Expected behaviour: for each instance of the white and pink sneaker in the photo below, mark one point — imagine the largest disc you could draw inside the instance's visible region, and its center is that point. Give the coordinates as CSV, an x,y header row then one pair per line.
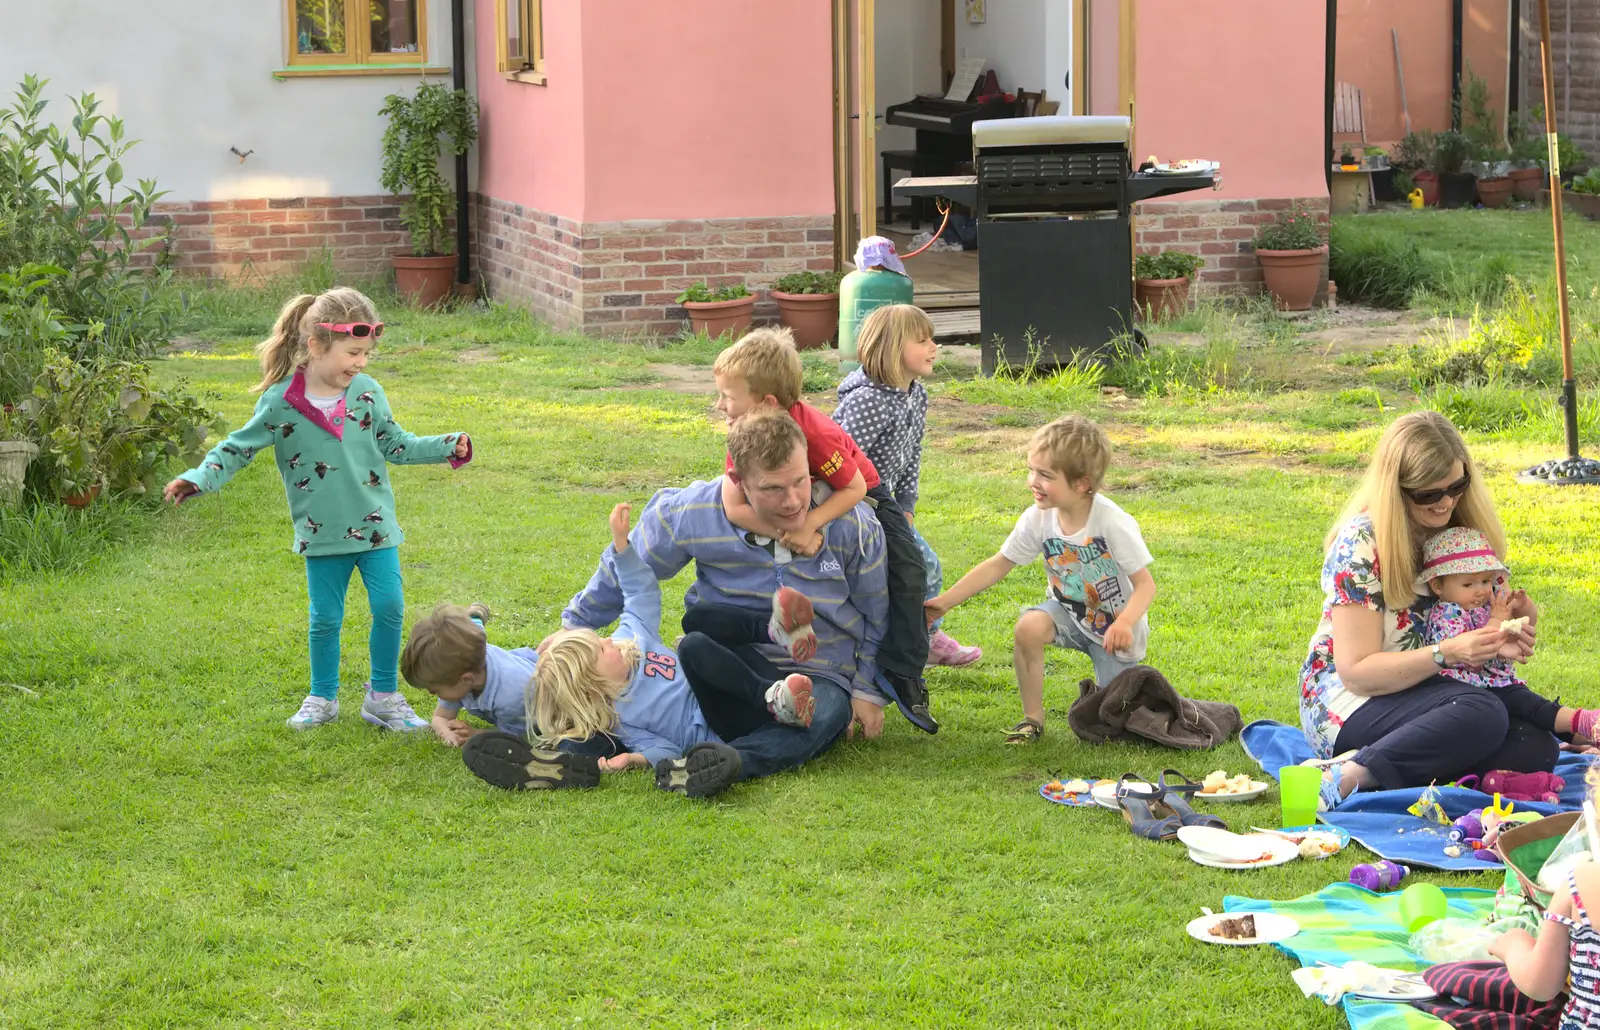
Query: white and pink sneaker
x,y
790,627
943,649
790,701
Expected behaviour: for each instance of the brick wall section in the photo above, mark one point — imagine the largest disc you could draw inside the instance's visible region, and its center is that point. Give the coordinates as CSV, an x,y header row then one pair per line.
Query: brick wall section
x,y
234,238
1578,118
621,278
1220,231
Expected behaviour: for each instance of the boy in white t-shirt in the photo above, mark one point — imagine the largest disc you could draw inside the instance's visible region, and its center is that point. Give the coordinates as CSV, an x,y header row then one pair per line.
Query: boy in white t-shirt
x,y
1096,564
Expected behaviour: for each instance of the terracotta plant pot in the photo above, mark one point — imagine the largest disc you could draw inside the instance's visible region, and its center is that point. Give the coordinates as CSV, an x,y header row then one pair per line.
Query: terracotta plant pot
x,y
1585,204
1428,183
425,281
1525,183
1457,189
81,499
1155,300
719,317
14,458
813,317
1293,276
1495,192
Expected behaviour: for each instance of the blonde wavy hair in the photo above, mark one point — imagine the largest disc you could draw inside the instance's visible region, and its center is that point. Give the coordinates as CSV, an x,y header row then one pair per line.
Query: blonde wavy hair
x,y
296,334
1416,449
881,342
572,701
767,361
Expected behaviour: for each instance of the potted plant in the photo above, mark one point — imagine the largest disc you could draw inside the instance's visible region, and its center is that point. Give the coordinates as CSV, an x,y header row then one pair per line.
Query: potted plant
x,y
808,303
1291,250
1584,197
15,454
1527,166
1494,186
1451,152
1161,283
715,312
435,118
1414,155
1347,160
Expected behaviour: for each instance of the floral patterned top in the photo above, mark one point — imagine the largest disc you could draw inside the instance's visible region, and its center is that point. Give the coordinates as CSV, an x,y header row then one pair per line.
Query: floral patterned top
x,y
1350,575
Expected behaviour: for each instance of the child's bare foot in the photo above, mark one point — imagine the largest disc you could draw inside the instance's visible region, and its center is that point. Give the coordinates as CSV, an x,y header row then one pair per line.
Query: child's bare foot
x,y
790,627
790,701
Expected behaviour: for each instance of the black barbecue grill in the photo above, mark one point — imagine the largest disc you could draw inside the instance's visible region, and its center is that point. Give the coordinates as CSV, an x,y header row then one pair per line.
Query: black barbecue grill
x,y
1053,198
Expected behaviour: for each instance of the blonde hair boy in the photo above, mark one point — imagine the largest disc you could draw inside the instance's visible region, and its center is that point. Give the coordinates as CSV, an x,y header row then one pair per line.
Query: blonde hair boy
x,y
768,363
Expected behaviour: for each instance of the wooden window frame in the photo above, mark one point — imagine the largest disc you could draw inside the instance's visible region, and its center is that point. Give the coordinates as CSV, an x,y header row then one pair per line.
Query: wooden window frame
x,y
530,68
358,42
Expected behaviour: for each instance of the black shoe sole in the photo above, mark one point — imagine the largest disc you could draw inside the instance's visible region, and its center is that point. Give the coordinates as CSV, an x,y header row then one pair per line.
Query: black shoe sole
x,y
706,770
916,714
507,762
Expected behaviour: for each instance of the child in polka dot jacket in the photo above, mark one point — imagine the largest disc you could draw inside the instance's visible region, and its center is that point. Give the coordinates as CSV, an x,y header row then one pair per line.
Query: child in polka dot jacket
x,y
884,408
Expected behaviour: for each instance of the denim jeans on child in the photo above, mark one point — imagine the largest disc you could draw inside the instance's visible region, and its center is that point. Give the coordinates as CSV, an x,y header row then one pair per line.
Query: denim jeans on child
x,y
328,580
1106,665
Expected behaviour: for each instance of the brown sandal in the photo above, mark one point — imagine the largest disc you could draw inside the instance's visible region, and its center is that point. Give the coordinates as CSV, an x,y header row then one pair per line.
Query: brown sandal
x,y
1028,731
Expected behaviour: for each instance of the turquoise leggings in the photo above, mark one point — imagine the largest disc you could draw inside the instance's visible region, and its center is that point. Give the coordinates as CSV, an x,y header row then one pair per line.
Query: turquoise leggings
x,y
327,580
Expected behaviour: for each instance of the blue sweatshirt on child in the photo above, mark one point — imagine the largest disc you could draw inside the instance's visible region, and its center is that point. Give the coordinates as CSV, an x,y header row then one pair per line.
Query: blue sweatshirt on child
x,y
507,690
657,715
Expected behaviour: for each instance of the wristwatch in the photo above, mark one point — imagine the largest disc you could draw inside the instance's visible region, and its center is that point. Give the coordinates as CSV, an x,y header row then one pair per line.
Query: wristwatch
x,y
1438,656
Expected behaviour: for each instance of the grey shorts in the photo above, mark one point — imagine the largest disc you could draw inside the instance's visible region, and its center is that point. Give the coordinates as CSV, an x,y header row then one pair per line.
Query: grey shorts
x,y
1107,666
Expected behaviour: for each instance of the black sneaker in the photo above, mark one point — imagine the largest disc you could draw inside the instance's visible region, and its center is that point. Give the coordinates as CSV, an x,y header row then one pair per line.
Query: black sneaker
x,y
910,695
507,761
707,769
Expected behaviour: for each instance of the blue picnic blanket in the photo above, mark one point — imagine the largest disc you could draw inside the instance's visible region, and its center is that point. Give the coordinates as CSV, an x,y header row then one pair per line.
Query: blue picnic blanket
x,y
1342,923
1378,819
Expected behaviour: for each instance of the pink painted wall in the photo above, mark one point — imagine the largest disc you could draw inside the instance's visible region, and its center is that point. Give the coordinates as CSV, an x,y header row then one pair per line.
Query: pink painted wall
x,y
1241,83
717,109
1104,55
531,138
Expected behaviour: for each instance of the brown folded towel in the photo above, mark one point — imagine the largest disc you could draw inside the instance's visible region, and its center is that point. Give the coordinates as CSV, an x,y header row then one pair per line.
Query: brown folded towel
x,y
1141,703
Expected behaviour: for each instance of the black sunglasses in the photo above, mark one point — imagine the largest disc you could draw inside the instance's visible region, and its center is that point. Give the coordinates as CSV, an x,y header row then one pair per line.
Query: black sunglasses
x,y
1426,497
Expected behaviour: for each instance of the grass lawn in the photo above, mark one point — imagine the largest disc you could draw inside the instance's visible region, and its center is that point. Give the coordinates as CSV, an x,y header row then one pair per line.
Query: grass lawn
x,y
171,855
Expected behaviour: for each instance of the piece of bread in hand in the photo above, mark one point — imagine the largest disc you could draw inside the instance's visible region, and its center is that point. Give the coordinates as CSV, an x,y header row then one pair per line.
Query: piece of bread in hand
x,y
1514,626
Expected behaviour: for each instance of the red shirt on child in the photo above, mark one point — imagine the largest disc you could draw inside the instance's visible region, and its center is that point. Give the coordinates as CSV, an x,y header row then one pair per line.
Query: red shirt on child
x,y
831,453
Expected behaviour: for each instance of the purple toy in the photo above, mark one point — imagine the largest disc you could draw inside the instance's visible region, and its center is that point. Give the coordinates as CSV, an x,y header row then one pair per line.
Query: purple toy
x,y
1378,876
1515,786
1467,828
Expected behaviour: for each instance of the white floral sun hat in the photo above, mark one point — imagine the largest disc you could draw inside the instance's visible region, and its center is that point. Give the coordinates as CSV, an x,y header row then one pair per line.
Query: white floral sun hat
x,y
1455,551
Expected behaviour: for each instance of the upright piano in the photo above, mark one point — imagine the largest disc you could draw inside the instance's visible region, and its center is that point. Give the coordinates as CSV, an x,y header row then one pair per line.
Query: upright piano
x,y
944,130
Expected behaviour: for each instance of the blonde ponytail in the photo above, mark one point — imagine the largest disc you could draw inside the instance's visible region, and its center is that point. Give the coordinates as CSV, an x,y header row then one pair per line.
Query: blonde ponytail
x,y
296,330
571,701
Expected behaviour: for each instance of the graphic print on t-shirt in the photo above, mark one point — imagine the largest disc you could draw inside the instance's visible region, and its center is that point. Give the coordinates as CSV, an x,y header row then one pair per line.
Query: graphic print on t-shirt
x,y
1084,578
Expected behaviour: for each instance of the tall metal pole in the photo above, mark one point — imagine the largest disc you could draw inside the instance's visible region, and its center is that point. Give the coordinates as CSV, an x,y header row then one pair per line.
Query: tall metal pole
x,y
458,79
1573,468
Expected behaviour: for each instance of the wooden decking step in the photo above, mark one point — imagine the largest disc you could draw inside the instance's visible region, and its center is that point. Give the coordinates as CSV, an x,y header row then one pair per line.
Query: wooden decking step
x,y
949,323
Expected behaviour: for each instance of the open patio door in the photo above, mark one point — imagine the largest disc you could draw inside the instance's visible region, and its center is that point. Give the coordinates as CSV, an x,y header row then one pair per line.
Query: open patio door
x,y
855,136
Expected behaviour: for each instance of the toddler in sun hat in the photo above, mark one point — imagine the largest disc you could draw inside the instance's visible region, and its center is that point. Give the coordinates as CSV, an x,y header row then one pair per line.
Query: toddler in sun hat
x,y
1468,580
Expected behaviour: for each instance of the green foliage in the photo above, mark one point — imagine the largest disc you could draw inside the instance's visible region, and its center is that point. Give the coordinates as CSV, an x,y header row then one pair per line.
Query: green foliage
x,y
53,538
1588,182
411,151
1515,342
1403,182
818,373
1451,152
701,293
1380,269
106,422
1296,230
1169,264
1414,151
30,326
1480,122
1484,408
815,283
64,204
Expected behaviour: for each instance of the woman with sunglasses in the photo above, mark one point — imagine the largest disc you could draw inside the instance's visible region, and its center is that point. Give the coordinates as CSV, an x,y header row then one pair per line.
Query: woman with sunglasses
x,y
1373,703
334,436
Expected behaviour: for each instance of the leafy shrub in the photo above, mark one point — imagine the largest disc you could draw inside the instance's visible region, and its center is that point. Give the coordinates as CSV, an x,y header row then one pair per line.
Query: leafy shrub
x,y
1517,342
63,203
1169,264
411,157
30,326
1588,182
52,538
1451,152
815,283
701,293
1415,151
104,422
1296,230
1378,269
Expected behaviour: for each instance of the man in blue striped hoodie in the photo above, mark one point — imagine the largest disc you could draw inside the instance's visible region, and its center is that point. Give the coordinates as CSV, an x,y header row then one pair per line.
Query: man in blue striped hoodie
x,y
845,580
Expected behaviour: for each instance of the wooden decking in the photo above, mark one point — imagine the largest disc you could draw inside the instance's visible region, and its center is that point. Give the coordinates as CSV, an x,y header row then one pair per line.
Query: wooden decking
x,y
946,286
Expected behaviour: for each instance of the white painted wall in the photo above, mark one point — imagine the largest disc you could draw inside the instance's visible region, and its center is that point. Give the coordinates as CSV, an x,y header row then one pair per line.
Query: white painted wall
x,y
907,52
1028,43
191,78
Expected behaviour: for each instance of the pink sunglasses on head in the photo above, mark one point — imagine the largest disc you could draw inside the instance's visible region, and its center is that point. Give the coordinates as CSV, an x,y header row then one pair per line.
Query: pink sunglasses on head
x,y
358,330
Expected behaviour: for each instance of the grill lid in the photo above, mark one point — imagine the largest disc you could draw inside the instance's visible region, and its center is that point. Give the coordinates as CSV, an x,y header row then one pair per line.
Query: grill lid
x,y
1051,131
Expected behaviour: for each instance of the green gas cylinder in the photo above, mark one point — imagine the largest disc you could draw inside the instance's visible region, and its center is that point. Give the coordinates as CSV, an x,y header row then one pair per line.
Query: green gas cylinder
x,y
860,293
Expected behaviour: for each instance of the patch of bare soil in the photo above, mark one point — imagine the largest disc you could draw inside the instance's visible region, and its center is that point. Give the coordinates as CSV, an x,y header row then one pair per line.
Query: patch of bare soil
x,y
476,356
190,345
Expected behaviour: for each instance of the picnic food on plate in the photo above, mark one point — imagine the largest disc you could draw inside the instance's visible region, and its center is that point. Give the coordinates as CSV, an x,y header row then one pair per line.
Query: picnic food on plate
x,y
1240,929
1319,845
1062,790
1219,782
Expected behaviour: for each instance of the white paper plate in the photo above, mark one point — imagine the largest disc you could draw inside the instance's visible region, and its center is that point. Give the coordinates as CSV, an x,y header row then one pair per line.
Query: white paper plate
x,y
1401,992
1200,169
1213,862
1225,846
1270,928
1257,788
1105,795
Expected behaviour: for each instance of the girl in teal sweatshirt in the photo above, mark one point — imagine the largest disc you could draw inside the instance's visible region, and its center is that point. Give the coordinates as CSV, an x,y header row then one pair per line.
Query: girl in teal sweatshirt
x,y
333,436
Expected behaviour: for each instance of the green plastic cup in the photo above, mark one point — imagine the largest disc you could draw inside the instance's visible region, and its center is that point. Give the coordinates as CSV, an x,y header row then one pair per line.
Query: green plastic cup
x,y
1421,904
1298,786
